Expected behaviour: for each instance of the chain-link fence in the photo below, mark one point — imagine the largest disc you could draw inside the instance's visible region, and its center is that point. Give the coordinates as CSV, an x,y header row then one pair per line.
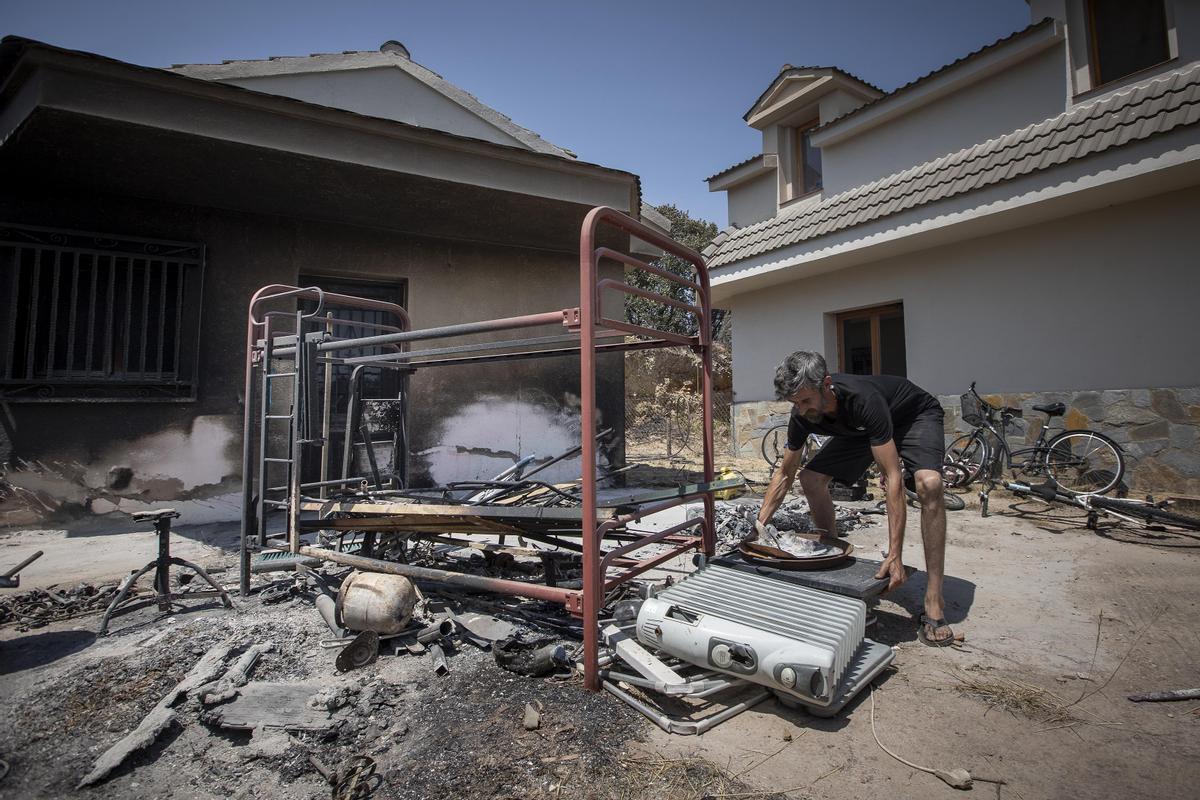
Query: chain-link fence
x,y
668,425
663,410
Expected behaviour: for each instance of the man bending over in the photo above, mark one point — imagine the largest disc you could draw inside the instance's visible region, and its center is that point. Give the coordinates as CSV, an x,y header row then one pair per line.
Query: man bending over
x,y
881,417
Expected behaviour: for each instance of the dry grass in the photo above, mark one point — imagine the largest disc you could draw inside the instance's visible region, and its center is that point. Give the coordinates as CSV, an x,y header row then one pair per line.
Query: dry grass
x,y
690,779
1016,698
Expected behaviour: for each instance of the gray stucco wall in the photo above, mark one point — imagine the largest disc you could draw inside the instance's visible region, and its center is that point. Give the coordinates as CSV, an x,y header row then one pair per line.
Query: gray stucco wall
x,y
1029,92
385,92
753,201
1103,300
465,422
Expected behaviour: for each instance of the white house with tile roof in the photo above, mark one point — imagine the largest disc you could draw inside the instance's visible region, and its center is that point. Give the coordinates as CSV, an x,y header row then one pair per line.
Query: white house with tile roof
x,y
1023,217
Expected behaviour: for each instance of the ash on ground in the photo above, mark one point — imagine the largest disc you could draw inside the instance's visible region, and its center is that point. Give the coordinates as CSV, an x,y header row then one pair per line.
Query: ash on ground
x,y
735,521
462,735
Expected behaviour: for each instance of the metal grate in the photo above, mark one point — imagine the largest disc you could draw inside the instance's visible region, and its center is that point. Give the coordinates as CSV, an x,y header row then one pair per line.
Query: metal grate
x,y
827,620
92,317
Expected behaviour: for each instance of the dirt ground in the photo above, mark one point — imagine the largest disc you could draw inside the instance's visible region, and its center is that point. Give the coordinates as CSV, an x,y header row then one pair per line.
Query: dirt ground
x,y
1061,623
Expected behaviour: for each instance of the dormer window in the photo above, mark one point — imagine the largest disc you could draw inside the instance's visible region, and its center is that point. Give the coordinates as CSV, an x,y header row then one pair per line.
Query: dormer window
x,y
807,161
1126,37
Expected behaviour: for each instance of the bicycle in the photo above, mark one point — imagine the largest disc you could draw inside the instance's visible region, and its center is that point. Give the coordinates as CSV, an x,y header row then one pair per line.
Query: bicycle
x,y
773,446
1079,462
1146,511
774,442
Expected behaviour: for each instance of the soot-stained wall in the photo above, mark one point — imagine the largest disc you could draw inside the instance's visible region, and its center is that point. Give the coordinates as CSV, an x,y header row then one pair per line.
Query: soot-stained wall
x,y
465,422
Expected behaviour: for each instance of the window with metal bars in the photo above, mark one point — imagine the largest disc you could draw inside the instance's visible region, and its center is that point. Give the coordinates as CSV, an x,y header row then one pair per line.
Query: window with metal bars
x,y
91,317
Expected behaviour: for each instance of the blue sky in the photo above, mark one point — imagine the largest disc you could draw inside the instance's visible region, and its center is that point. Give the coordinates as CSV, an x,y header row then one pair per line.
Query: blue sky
x,y
656,88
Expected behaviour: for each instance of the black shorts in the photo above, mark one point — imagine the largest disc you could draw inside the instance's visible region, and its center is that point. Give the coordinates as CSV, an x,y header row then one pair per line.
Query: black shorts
x,y
921,443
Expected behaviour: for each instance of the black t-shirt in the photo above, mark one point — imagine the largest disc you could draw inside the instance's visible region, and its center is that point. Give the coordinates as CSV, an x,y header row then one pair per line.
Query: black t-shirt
x,y
869,406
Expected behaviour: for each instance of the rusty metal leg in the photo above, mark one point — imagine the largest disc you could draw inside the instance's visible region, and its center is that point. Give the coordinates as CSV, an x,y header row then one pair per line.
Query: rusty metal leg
x,y
197,569
162,572
121,595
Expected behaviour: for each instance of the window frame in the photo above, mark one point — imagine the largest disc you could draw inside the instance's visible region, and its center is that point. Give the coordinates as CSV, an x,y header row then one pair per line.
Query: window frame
x,y
97,329
874,314
799,190
1093,49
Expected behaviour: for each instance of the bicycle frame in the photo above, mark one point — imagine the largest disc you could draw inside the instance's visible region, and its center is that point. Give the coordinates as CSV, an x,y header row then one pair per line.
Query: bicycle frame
x,y
1024,459
1084,501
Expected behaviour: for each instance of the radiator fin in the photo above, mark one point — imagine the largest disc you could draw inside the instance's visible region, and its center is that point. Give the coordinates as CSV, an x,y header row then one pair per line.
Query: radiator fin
x,y
819,618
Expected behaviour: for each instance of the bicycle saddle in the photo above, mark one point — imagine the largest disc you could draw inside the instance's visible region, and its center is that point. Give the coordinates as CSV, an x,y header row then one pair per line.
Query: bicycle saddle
x,y
1053,409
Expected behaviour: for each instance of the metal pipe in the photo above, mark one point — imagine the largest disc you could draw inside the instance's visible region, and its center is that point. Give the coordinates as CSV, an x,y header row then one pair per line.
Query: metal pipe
x,y
326,414
440,665
22,565
604,252
625,288
351,425
438,630
523,356
327,608
446,331
592,588
589,254
409,355
562,456
478,582
247,460
638,544
275,291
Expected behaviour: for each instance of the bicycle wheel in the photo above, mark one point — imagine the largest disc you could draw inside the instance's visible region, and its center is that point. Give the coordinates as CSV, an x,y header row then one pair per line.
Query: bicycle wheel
x,y
1084,462
773,444
968,455
1148,512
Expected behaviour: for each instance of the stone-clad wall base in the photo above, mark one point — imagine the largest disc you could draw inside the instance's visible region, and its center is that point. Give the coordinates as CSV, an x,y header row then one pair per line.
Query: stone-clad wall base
x,y
752,420
1159,429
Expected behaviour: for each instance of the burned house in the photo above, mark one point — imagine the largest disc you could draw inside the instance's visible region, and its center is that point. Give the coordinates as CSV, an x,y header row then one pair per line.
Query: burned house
x,y
140,209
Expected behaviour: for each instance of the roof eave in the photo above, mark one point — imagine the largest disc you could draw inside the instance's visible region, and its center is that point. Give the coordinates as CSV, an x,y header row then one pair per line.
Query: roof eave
x,y
851,82
767,112
735,176
344,62
986,62
1150,167
21,58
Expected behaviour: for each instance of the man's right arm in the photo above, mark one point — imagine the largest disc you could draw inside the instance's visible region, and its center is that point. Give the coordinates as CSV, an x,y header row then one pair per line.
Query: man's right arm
x,y
780,484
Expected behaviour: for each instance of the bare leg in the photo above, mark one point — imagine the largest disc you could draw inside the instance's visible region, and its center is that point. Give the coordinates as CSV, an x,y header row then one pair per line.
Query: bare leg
x,y
933,536
815,486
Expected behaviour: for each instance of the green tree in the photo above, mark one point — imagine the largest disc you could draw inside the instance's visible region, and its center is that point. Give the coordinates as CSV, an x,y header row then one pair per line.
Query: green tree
x,y
696,234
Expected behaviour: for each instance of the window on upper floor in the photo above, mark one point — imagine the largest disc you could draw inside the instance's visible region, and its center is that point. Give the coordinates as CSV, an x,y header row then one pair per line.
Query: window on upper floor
x,y
1126,36
807,162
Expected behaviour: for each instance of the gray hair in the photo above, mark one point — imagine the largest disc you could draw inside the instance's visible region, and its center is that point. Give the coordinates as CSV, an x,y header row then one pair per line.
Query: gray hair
x,y
800,370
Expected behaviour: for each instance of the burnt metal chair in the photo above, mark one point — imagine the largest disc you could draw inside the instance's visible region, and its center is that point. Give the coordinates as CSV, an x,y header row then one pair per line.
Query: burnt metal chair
x,y
162,575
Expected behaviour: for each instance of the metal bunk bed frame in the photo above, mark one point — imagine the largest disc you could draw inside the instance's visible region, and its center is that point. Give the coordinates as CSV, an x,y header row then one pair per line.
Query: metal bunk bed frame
x,y
310,343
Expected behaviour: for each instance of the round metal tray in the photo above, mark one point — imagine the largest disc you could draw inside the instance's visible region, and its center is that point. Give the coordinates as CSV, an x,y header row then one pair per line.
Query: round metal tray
x,y
781,559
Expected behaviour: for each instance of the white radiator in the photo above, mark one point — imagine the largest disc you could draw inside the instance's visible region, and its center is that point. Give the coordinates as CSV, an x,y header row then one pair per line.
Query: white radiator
x,y
800,641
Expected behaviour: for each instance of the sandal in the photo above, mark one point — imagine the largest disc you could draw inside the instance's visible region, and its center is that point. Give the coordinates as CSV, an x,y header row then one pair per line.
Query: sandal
x,y
932,625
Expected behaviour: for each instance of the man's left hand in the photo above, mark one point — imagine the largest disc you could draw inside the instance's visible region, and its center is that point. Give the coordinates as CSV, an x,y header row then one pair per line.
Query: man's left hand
x,y
893,569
